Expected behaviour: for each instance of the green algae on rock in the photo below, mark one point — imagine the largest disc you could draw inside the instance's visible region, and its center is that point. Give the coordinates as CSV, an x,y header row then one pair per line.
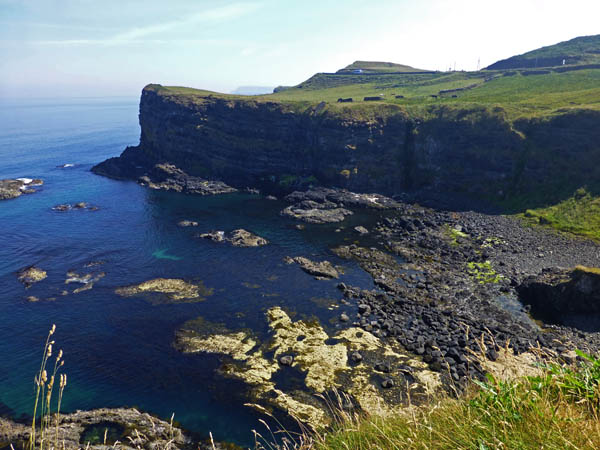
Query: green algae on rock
x,y
323,360
167,290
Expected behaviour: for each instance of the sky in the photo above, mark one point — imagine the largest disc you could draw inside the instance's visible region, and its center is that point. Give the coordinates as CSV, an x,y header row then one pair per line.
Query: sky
x,y
95,48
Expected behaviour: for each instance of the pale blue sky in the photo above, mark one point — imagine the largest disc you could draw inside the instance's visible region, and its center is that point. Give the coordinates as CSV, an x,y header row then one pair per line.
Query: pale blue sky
x,y
115,47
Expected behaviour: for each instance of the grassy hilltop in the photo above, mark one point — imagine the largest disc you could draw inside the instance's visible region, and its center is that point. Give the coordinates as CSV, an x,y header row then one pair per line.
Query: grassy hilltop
x,y
534,93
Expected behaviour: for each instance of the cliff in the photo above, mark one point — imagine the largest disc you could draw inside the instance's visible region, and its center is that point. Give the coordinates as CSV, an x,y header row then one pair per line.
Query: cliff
x,y
386,148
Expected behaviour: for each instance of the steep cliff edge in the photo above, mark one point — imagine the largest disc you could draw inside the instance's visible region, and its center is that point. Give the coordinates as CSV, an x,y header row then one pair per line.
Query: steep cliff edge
x,y
388,148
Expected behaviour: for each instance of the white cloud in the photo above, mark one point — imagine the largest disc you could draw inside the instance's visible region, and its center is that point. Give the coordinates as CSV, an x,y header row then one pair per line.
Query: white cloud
x,y
137,35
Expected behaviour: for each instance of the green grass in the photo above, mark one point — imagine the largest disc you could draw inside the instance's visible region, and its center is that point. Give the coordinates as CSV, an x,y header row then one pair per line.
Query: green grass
x,y
519,95
579,214
379,66
483,272
557,409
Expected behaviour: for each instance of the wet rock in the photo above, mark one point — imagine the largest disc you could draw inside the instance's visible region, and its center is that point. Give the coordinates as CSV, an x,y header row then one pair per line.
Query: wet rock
x,y
356,357
168,177
320,270
271,197
362,230
74,206
343,197
243,238
286,360
323,359
387,383
344,317
31,275
13,188
237,238
313,212
187,223
167,290
215,236
86,280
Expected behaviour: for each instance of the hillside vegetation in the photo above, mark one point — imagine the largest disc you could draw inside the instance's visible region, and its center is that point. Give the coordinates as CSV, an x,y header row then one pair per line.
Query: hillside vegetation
x,y
578,51
378,66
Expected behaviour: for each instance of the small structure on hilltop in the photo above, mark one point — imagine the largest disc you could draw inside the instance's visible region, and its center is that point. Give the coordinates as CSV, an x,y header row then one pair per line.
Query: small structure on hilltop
x,y
344,100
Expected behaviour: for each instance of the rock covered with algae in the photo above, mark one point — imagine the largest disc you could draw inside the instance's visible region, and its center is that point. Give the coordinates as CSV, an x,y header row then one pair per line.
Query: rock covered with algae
x,y
167,290
326,362
31,275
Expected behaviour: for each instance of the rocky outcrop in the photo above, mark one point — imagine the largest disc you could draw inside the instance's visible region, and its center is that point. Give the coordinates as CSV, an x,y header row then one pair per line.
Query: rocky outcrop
x,y
376,383
237,238
107,428
556,293
31,275
15,188
167,290
167,177
320,270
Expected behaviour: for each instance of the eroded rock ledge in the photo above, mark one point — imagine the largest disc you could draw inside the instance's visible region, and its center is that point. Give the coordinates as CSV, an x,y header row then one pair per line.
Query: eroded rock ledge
x,y
326,205
126,429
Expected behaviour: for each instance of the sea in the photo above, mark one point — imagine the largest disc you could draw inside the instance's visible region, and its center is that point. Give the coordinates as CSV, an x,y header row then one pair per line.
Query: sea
x,y
118,351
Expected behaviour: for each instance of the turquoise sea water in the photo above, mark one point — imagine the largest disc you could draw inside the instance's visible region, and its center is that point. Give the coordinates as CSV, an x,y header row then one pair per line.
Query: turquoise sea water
x,y
119,351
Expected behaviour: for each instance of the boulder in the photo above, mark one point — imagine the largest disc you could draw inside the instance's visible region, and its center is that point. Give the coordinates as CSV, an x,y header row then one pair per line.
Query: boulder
x,y
557,292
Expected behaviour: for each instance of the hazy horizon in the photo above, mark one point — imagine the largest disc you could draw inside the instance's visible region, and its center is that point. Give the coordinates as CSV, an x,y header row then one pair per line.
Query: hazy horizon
x,y
72,48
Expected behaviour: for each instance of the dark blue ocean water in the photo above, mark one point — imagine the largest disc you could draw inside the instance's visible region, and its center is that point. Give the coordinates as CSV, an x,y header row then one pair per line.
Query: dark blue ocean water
x,y
119,351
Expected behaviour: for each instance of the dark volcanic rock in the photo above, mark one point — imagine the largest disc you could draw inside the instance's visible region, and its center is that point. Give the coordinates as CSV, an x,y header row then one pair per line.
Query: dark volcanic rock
x,y
557,292
169,178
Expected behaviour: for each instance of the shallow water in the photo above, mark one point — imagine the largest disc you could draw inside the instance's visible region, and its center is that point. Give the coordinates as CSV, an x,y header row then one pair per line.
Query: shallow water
x,y
118,351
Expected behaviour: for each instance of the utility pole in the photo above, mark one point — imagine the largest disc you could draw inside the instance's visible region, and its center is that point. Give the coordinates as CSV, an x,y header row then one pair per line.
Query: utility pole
x,y
478,63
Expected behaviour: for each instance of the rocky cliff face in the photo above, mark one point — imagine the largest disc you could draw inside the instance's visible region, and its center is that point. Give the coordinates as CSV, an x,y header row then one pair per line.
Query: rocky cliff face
x,y
381,148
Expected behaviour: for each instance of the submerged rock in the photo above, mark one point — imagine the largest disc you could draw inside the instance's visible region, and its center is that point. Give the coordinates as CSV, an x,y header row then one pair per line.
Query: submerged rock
x,y
187,223
86,280
237,238
168,177
31,275
167,290
75,206
13,188
321,270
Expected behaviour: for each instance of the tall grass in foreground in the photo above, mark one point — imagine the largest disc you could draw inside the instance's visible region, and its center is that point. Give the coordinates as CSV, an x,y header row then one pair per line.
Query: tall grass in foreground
x,y
557,409
43,398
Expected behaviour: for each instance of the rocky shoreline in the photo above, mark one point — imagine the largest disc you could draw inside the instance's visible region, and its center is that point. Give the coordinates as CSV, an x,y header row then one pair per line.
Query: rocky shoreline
x,y
123,428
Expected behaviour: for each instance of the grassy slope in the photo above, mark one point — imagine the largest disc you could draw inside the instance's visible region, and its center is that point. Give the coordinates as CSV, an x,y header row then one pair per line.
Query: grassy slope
x,y
581,50
378,66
